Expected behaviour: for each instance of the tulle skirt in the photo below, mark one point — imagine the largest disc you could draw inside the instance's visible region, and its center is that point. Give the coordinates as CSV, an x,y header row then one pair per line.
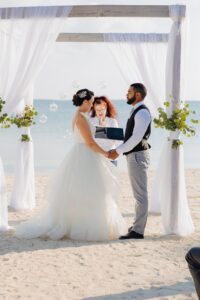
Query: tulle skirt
x,y
81,202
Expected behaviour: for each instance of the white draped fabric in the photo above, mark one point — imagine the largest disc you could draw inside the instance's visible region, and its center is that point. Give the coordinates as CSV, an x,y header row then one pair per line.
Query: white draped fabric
x,y
141,57
169,193
27,36
24,177
136,55
26,39
23,192
3,201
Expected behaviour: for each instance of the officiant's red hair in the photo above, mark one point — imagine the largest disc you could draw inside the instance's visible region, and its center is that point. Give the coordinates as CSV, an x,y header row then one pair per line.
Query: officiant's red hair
x,y
110,109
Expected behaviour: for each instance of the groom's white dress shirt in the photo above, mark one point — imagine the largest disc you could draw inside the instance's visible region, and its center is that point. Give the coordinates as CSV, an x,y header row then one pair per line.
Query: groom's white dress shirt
x,y
142,121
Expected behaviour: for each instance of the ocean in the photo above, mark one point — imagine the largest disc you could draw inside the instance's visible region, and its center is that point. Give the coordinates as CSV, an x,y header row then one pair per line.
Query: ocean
x,y
52,136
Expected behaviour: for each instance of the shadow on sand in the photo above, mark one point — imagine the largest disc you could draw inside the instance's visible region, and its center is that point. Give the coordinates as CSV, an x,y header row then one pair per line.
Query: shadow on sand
x,y
10,243
180,288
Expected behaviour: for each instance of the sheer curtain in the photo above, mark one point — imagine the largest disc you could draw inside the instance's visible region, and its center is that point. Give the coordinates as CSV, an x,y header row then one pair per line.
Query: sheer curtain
x,y
169,194
3,200
23,191
140,58
27,36
8,47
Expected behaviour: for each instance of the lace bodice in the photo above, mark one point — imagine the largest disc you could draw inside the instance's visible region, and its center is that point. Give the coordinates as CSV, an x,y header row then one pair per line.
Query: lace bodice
x,y
77,135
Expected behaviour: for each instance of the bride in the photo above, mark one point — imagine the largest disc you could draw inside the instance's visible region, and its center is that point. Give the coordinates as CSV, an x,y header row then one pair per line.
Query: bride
x,y
82,192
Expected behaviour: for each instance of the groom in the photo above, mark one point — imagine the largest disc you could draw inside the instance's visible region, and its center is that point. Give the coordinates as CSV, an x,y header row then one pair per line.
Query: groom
x,y
135,147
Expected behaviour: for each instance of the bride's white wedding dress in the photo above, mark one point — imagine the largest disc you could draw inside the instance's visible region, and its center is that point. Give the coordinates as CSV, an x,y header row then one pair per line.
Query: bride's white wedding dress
x,y
81,199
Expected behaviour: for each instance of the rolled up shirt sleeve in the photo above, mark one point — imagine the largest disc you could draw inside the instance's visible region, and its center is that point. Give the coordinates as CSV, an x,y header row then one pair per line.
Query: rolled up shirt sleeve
x,y
142,121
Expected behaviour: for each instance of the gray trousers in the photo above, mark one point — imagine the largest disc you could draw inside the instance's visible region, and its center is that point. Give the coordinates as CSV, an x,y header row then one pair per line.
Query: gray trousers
x,y
138,163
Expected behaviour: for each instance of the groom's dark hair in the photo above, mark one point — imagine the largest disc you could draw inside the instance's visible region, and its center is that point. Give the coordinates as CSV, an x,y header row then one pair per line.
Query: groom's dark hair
x,y
140,88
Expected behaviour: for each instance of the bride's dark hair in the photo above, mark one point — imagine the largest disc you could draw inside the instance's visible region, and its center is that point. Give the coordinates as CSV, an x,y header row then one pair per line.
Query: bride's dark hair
x,y
81,96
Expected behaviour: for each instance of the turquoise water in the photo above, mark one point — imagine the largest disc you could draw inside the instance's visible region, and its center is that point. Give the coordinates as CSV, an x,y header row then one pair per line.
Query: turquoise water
x,y
53,138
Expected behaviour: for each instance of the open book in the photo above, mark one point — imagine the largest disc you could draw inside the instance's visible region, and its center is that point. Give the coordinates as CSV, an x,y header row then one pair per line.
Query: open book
x,y
111,133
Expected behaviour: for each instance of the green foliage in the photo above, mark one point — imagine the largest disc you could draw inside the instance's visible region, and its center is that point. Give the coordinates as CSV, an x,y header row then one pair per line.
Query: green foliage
x,y
1,104
176,143
25,119
25,138
5,121
177,121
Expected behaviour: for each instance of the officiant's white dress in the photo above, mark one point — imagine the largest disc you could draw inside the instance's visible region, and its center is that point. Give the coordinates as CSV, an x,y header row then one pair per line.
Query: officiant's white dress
x,y
81,200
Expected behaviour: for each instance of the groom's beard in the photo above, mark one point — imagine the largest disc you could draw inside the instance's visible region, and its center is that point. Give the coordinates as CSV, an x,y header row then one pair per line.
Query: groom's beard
x,y
131,101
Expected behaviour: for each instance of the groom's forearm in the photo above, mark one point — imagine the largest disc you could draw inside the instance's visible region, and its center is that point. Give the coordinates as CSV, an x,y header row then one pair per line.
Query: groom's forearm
x,y
129,144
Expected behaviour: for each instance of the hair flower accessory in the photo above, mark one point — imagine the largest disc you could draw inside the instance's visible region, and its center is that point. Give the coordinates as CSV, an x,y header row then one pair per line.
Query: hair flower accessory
x,y
82,94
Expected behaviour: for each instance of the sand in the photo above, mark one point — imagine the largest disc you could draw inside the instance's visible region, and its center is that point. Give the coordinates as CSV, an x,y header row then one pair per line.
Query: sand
x,y
153,268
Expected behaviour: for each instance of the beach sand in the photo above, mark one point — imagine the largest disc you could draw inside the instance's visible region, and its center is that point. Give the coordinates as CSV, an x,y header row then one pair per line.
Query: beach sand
x,y
153,268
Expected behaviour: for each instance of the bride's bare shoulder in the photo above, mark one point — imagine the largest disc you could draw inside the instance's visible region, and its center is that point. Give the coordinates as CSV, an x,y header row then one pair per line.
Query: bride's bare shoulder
x,y
78,119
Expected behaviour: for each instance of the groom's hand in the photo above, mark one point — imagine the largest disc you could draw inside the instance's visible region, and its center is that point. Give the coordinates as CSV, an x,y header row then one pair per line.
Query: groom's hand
x,y
113,154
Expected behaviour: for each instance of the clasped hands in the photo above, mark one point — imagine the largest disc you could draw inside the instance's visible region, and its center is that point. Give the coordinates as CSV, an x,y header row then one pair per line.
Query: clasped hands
x,y
112,154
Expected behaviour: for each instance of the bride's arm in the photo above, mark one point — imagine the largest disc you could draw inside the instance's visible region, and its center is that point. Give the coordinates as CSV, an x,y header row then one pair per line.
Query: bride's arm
x,y
85,131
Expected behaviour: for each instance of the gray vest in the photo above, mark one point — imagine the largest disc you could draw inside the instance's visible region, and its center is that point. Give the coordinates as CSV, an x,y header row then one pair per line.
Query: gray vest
x,y
142,145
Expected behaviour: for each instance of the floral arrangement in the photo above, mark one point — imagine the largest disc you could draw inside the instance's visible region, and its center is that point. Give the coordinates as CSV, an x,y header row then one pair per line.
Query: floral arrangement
x,y
25,119
178,121
5,121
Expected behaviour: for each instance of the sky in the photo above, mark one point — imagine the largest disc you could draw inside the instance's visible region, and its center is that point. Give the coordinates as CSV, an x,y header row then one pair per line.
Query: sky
x,y
71,66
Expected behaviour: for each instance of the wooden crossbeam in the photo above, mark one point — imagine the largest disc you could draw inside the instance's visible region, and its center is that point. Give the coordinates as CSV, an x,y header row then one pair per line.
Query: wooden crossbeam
x,y
120,11
87,11
80,37
89,37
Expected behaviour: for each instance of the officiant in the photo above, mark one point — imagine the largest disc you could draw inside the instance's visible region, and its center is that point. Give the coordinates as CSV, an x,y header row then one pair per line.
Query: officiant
x,y
104,114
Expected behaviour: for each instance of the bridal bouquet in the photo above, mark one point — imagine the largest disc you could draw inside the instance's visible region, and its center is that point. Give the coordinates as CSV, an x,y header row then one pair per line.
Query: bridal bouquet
x,y
178,122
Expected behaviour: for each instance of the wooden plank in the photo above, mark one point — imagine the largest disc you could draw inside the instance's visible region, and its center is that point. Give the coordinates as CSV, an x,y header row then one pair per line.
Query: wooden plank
x,y
120,11
87,11
80,37
88,37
